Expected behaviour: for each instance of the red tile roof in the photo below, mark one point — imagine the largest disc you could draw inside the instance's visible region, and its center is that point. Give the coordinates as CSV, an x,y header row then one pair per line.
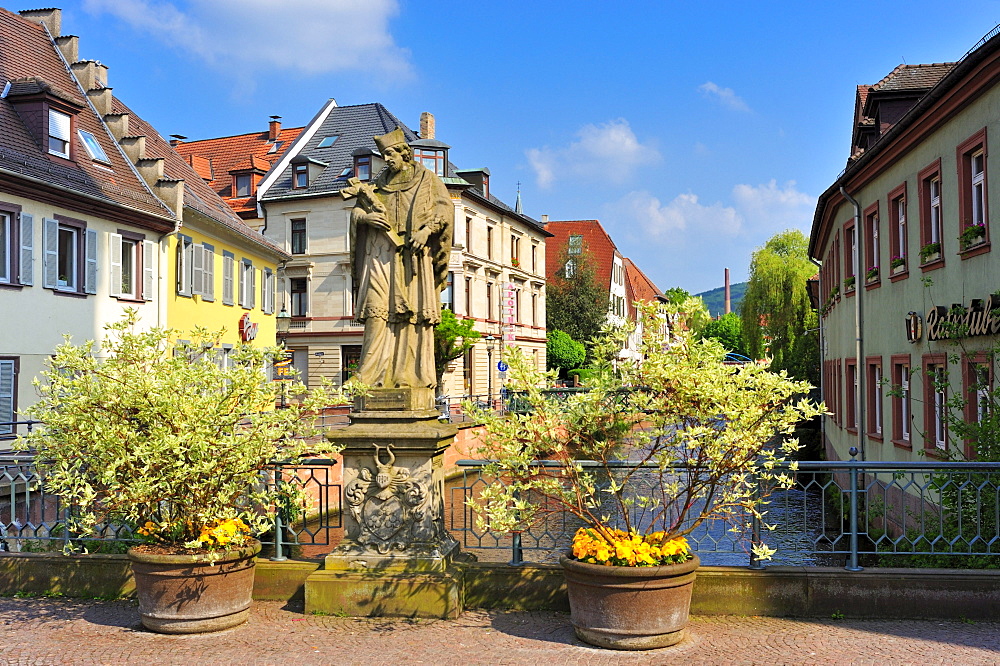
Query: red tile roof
x,y
233,153
29,58
638,287
597,245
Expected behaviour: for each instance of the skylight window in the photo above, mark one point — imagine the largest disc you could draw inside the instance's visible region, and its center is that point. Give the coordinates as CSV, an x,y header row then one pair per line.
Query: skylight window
x,y
93,147
327,142
274,147
346,172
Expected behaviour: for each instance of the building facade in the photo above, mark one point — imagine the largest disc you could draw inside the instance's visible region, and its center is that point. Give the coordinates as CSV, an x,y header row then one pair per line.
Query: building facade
x,y
908,276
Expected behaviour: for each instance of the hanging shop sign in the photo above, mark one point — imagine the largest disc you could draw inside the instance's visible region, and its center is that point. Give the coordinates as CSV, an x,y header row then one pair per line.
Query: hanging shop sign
x,y
981,317
248,329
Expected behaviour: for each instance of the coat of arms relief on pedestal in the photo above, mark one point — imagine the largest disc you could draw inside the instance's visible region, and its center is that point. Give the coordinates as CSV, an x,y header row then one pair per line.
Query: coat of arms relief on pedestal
x,y
388,504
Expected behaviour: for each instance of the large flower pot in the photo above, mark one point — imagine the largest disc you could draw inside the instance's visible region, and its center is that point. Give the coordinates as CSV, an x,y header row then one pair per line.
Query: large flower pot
x,y
189,594
629,608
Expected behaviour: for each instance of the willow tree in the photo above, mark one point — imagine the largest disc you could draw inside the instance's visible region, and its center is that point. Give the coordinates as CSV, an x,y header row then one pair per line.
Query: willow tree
x,y
778,319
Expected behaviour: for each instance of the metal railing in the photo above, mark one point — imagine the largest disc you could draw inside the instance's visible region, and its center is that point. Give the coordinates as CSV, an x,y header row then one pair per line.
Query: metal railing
x,y
847,514
32,519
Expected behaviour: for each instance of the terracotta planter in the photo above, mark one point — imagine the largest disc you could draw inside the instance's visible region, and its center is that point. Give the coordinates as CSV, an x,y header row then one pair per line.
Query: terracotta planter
x,y
629,608
188,594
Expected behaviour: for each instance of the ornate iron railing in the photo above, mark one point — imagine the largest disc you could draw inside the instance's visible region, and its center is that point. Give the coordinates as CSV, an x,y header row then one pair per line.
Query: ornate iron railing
x,y
837,513
31,519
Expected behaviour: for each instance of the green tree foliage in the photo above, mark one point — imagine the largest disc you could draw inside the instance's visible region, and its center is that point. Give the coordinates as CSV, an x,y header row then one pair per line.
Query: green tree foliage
x,y
452,338
728,330
677,296
576,304
778,320
563,352
145,429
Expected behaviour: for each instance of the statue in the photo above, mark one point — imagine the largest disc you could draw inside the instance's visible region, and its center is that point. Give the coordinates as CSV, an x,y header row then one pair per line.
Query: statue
x,y
401,233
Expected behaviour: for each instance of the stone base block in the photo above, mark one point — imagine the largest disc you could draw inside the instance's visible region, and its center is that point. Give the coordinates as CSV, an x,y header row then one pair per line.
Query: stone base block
x,y
417,558
361,594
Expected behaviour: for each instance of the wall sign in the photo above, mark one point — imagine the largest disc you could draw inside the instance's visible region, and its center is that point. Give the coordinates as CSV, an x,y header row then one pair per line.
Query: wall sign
x,y
979,318
914,326
248,329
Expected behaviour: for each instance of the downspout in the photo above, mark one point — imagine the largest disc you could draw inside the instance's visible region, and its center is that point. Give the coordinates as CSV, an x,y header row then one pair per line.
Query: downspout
x,y
822,360
859,344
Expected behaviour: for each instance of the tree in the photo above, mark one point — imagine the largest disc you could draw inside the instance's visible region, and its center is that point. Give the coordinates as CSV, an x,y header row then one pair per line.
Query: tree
x,y
677,295
778,320
563,352
575,302
728,330
452,338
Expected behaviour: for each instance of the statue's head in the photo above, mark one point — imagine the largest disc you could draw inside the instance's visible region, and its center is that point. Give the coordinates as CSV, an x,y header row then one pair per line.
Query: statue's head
x,y
395,150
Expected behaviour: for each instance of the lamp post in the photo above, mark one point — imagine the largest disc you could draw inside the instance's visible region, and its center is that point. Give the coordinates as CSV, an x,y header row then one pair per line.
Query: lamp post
x,y
490,341
283,321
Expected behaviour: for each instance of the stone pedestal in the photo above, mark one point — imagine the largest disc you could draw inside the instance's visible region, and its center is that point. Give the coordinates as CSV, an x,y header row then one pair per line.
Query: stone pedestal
x,y
396,553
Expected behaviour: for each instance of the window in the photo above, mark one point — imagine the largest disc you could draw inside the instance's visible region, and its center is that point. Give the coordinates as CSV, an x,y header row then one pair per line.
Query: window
x,y
131,261
363,167
575,244
977,379
298,236
850,276
89,142
851,380
228,274
244,184
534,258
70,263
448,293
931,238
489,242
972,207
935,402
275,147
268,283
872,249
345,172
468,234
59,133
534,309
300,176
897,231
901,400
570,269
6,248
247,284
327,141
17,232
299,288
8,394
515,251
468,296
195,269
489,301
874,390
432,159
350,359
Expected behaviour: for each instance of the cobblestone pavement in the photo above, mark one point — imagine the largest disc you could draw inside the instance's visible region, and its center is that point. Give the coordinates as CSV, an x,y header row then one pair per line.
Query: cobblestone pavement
x,y
58,631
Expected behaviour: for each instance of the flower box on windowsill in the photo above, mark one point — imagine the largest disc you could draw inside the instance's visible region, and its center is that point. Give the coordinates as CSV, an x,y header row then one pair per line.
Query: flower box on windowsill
x,y
897,269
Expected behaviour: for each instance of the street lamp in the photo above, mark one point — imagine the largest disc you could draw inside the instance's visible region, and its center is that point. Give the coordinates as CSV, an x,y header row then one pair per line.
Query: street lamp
x,y
490,341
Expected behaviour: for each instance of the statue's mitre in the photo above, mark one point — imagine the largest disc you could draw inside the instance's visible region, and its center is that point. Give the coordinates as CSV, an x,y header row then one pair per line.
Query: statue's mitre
x,y
393,138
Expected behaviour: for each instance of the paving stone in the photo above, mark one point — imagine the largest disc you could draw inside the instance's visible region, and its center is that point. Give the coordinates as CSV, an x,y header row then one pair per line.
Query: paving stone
x,y
63,631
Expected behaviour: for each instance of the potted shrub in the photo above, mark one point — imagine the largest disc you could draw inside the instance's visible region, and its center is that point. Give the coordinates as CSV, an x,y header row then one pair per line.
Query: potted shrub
x,y
871,275
897,265
930,252
849,283
652,451
154,435
972,235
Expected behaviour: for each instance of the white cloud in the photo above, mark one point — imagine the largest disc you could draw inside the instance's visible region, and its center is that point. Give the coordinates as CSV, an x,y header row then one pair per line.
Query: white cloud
x,y
304,36
726,96
773,208
610,151
684,215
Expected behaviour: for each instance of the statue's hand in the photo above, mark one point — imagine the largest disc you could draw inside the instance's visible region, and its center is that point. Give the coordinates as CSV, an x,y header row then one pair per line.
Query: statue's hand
x,y
418,240
377,219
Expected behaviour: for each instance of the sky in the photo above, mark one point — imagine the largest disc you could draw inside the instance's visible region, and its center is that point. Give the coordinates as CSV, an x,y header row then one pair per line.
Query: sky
x,y
693,131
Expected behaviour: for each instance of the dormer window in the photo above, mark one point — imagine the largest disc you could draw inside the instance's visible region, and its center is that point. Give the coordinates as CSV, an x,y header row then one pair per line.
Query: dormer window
x,y
363,167
430,158
300,176
59,133
243,185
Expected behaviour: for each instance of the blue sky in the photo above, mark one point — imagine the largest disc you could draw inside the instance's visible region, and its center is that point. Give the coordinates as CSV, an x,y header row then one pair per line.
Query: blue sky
x,y
693,131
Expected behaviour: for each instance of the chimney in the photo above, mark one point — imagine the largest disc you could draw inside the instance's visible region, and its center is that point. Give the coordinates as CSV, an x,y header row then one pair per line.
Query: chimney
x,y
176,139
545,219
70,47
50,18
91,74
134,147
729,304
427,125
101,99
274,128
118,124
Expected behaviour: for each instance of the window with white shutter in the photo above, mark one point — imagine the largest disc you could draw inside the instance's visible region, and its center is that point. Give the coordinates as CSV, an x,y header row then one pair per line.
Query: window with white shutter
x,y
70,256
8,387
148,264
228,270
208,272
115,252
27,265
184,264
59,133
